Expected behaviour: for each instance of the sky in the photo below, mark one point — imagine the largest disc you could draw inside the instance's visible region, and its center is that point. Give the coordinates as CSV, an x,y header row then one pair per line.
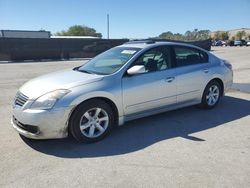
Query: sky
x,y
128,19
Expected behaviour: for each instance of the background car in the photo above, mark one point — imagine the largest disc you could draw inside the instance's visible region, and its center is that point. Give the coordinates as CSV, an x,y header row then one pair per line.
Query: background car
x,y
229,43
219,43
239,42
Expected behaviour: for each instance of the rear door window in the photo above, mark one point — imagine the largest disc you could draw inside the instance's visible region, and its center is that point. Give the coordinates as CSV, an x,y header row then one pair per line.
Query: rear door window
x,y
189,56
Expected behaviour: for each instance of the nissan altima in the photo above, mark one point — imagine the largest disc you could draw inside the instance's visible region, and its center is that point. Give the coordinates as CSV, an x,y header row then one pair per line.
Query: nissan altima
x,y
127,82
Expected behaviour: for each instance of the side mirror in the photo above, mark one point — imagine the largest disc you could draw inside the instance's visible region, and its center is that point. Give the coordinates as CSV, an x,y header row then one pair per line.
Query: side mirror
x,y
137,69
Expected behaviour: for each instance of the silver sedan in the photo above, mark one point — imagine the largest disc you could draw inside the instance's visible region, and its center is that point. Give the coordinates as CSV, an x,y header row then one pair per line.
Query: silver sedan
x,y
131,81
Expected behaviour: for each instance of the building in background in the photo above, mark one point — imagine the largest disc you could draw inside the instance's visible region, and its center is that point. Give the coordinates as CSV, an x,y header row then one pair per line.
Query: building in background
x,y
232,33
24,34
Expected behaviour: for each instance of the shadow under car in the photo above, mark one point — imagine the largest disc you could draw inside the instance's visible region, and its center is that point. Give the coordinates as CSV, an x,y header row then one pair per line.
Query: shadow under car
x,y
138,134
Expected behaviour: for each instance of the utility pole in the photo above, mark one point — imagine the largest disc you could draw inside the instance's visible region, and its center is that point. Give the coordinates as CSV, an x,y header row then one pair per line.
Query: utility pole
x,y
107,26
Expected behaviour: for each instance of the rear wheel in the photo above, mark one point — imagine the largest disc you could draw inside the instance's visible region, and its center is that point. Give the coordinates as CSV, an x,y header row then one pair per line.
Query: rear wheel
x,y
211,95
91,121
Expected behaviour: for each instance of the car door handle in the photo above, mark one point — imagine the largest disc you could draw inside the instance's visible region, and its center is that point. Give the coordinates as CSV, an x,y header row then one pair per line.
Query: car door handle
x,y
169,79
206,70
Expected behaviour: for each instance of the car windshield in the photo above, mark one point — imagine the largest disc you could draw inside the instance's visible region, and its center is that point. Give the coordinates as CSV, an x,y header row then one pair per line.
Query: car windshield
x,y
110,61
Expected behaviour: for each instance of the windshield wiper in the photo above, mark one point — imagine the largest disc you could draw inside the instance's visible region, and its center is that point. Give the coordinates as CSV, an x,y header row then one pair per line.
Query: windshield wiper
x,y
85,71
76,68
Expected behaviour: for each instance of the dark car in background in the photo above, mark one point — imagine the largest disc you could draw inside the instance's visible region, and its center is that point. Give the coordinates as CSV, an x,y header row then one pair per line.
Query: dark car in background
x,y
240,43
219,43
229,43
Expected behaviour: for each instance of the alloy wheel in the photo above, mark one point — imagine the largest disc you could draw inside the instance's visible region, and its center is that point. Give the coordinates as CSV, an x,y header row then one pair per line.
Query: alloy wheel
x,y
94,122
212,95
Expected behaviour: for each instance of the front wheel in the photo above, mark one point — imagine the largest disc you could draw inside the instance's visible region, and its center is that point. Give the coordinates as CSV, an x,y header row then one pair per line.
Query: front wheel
x,y
211,95
91,121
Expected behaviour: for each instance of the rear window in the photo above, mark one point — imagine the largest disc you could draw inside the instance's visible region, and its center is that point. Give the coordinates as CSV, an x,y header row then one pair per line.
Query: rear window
x,y
189,56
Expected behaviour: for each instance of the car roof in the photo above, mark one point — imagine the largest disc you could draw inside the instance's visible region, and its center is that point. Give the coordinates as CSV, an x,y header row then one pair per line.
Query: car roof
x,y
149,44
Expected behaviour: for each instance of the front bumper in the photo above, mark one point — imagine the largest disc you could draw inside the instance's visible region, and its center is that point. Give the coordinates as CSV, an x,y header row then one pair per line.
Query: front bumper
x,y
41,124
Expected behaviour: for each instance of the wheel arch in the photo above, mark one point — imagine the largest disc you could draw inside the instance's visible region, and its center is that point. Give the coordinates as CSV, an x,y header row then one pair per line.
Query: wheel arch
x,y
220,82
110,102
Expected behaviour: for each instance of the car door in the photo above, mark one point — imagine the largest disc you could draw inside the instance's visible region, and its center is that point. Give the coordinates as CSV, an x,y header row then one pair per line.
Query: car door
x,y
153,89
192,69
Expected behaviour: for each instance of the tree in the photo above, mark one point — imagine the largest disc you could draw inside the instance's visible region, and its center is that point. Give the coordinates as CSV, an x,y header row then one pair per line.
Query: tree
x,y
189,35
178,36
224,36
203,35
217,35
240,34
197,35
79,30
167,35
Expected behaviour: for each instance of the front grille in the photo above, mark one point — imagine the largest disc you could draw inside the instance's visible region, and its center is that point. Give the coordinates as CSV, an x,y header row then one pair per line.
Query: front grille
x,y
30,128
20,99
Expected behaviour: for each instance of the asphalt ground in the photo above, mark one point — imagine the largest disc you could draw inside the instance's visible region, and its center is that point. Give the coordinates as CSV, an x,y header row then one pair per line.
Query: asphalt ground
x,y
189,147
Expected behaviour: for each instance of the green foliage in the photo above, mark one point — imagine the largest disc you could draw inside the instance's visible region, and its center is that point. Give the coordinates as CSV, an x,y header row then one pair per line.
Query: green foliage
x,y
189,35
79,30
240,34
217,35
221,35
167,35
224,36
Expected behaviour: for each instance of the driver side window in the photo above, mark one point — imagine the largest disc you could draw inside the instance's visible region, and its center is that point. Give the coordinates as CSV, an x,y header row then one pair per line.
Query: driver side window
x,y
155,59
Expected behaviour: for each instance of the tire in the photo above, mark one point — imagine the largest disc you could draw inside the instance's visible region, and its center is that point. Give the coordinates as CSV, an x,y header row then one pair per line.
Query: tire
x,y
91,121
211,95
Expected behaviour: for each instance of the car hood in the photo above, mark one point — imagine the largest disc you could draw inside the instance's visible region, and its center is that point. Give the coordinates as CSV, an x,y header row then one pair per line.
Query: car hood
x,y
65,79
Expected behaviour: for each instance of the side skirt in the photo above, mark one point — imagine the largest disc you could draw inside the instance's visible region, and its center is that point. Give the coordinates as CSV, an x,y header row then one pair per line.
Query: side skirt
x,y
124,119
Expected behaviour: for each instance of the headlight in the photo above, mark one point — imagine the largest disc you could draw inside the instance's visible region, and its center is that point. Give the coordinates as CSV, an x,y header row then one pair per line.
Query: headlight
x,y
48,100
